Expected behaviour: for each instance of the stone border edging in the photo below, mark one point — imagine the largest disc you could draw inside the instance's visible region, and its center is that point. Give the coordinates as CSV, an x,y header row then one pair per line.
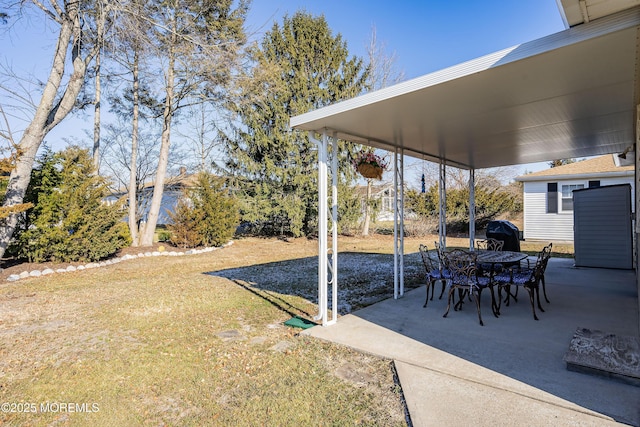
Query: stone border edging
x,y
72,268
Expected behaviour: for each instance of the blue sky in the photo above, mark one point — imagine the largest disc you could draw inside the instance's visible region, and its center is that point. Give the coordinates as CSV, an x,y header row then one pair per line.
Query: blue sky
x,y
425,35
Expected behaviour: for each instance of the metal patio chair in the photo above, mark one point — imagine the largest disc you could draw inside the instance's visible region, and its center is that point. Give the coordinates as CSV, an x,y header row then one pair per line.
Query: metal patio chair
x,y
434,270
526,276
466,280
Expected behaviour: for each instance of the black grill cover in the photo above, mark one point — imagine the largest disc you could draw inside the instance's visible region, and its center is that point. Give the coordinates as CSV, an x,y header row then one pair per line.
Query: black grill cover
x,y
505,231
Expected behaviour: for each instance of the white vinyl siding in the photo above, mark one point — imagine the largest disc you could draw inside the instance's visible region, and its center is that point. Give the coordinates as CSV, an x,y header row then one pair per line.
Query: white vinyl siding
x,y
538,224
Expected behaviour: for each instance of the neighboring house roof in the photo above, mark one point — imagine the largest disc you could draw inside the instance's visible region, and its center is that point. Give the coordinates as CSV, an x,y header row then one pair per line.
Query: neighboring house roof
x,y
361,190
609,165
177,182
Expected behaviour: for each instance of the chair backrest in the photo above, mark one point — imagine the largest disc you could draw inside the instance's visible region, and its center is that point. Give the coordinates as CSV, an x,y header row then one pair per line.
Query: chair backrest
x,y
490,244
440,252
546,254
427,260
462,265
541,261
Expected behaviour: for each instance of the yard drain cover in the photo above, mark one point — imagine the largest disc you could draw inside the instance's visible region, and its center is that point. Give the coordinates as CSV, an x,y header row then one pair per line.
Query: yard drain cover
x,y
299,322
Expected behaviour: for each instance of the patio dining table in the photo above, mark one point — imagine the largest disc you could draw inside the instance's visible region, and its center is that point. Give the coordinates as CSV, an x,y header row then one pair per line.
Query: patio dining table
x,y
499,257
489,262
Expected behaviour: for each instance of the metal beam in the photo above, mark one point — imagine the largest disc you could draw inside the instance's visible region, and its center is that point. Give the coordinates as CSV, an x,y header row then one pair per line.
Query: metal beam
x,y
472,208
637,204
442,216
334,230
398,223
322,227
327,258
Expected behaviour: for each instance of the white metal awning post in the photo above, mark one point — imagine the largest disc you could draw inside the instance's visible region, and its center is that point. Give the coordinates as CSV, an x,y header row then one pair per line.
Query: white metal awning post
x,y
334,230
398,223
472,208
326,269
442,198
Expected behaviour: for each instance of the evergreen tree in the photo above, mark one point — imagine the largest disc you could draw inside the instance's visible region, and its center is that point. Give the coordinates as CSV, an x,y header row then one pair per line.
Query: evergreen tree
x,y
58,95
70,220
299,66
206,215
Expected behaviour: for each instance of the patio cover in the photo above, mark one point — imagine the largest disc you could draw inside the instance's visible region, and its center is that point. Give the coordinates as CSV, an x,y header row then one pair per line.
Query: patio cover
x,y
570,94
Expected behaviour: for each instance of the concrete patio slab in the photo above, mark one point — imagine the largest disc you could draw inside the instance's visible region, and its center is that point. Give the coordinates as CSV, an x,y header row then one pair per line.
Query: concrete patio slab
x,y
510,371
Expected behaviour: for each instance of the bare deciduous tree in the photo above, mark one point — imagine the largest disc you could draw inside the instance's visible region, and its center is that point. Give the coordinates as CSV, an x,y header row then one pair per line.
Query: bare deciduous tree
x,y
199,43
58,95
382,73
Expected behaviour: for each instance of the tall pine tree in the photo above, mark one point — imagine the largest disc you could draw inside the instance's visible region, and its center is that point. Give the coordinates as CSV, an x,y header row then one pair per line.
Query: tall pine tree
x,y
300,66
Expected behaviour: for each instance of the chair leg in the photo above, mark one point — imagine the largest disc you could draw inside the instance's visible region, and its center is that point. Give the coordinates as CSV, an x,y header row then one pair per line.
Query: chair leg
x,y
444,285
476,296
507,299
451,291
537,291
457,306
498,303
531,298
544,290
494,306
430,285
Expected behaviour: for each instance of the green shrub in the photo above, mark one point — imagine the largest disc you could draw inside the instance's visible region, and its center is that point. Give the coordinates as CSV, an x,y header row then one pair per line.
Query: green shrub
x,y
163,235
207,215
70,220
349,209
489,204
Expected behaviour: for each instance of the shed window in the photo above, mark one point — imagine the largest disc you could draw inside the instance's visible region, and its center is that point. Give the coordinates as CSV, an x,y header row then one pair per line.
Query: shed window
x,y
552,197
567,195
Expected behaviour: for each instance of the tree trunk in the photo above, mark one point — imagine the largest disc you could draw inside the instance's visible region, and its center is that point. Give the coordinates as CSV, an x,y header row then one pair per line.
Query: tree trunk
x,y
48,113
161,172
100,22
96,117
133,180
367,209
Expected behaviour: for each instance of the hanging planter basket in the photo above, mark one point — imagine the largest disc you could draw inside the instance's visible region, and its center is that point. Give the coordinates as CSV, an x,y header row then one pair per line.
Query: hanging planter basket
x,y
370,171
